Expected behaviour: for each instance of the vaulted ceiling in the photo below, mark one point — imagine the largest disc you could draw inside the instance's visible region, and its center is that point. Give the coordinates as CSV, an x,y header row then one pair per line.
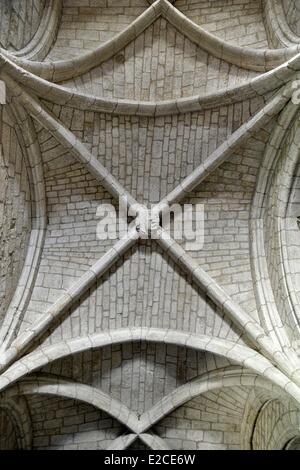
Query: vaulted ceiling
x,y
145,341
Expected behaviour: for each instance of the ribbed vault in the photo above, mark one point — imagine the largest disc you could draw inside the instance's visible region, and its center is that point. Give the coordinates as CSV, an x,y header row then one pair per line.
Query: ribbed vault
x,y
134,343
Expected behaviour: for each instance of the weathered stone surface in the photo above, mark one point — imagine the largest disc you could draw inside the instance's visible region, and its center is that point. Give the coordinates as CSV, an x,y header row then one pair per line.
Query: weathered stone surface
x,y
137,343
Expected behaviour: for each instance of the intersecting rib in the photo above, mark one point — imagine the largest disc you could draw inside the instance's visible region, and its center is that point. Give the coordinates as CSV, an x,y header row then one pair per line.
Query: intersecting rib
x,y
225,150
69,141
55,313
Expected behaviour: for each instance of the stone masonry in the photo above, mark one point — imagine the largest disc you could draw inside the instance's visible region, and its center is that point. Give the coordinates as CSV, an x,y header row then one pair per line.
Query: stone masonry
x,y
135,342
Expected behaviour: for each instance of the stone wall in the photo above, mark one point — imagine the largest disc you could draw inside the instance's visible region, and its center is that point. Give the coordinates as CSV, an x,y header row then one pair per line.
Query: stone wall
x,y
158,369
8,432
276,426
292,227
19,21
161,64
292,11
15,211
239,22
63,424
86,24
209,422
149,343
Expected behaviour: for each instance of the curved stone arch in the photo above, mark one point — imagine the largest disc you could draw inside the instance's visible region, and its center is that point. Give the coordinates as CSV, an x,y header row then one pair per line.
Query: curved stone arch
x,y
32,154
122,442
242,355
251,59
151,440
289,430
279,32
61,95
284,429
275,231
267,308
154,442
289,224
17,410
292,15
20,20
258,402
221,378
293,444
16,209
273,107
42,41
254,404
232,351
68,139
47,385
227,377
